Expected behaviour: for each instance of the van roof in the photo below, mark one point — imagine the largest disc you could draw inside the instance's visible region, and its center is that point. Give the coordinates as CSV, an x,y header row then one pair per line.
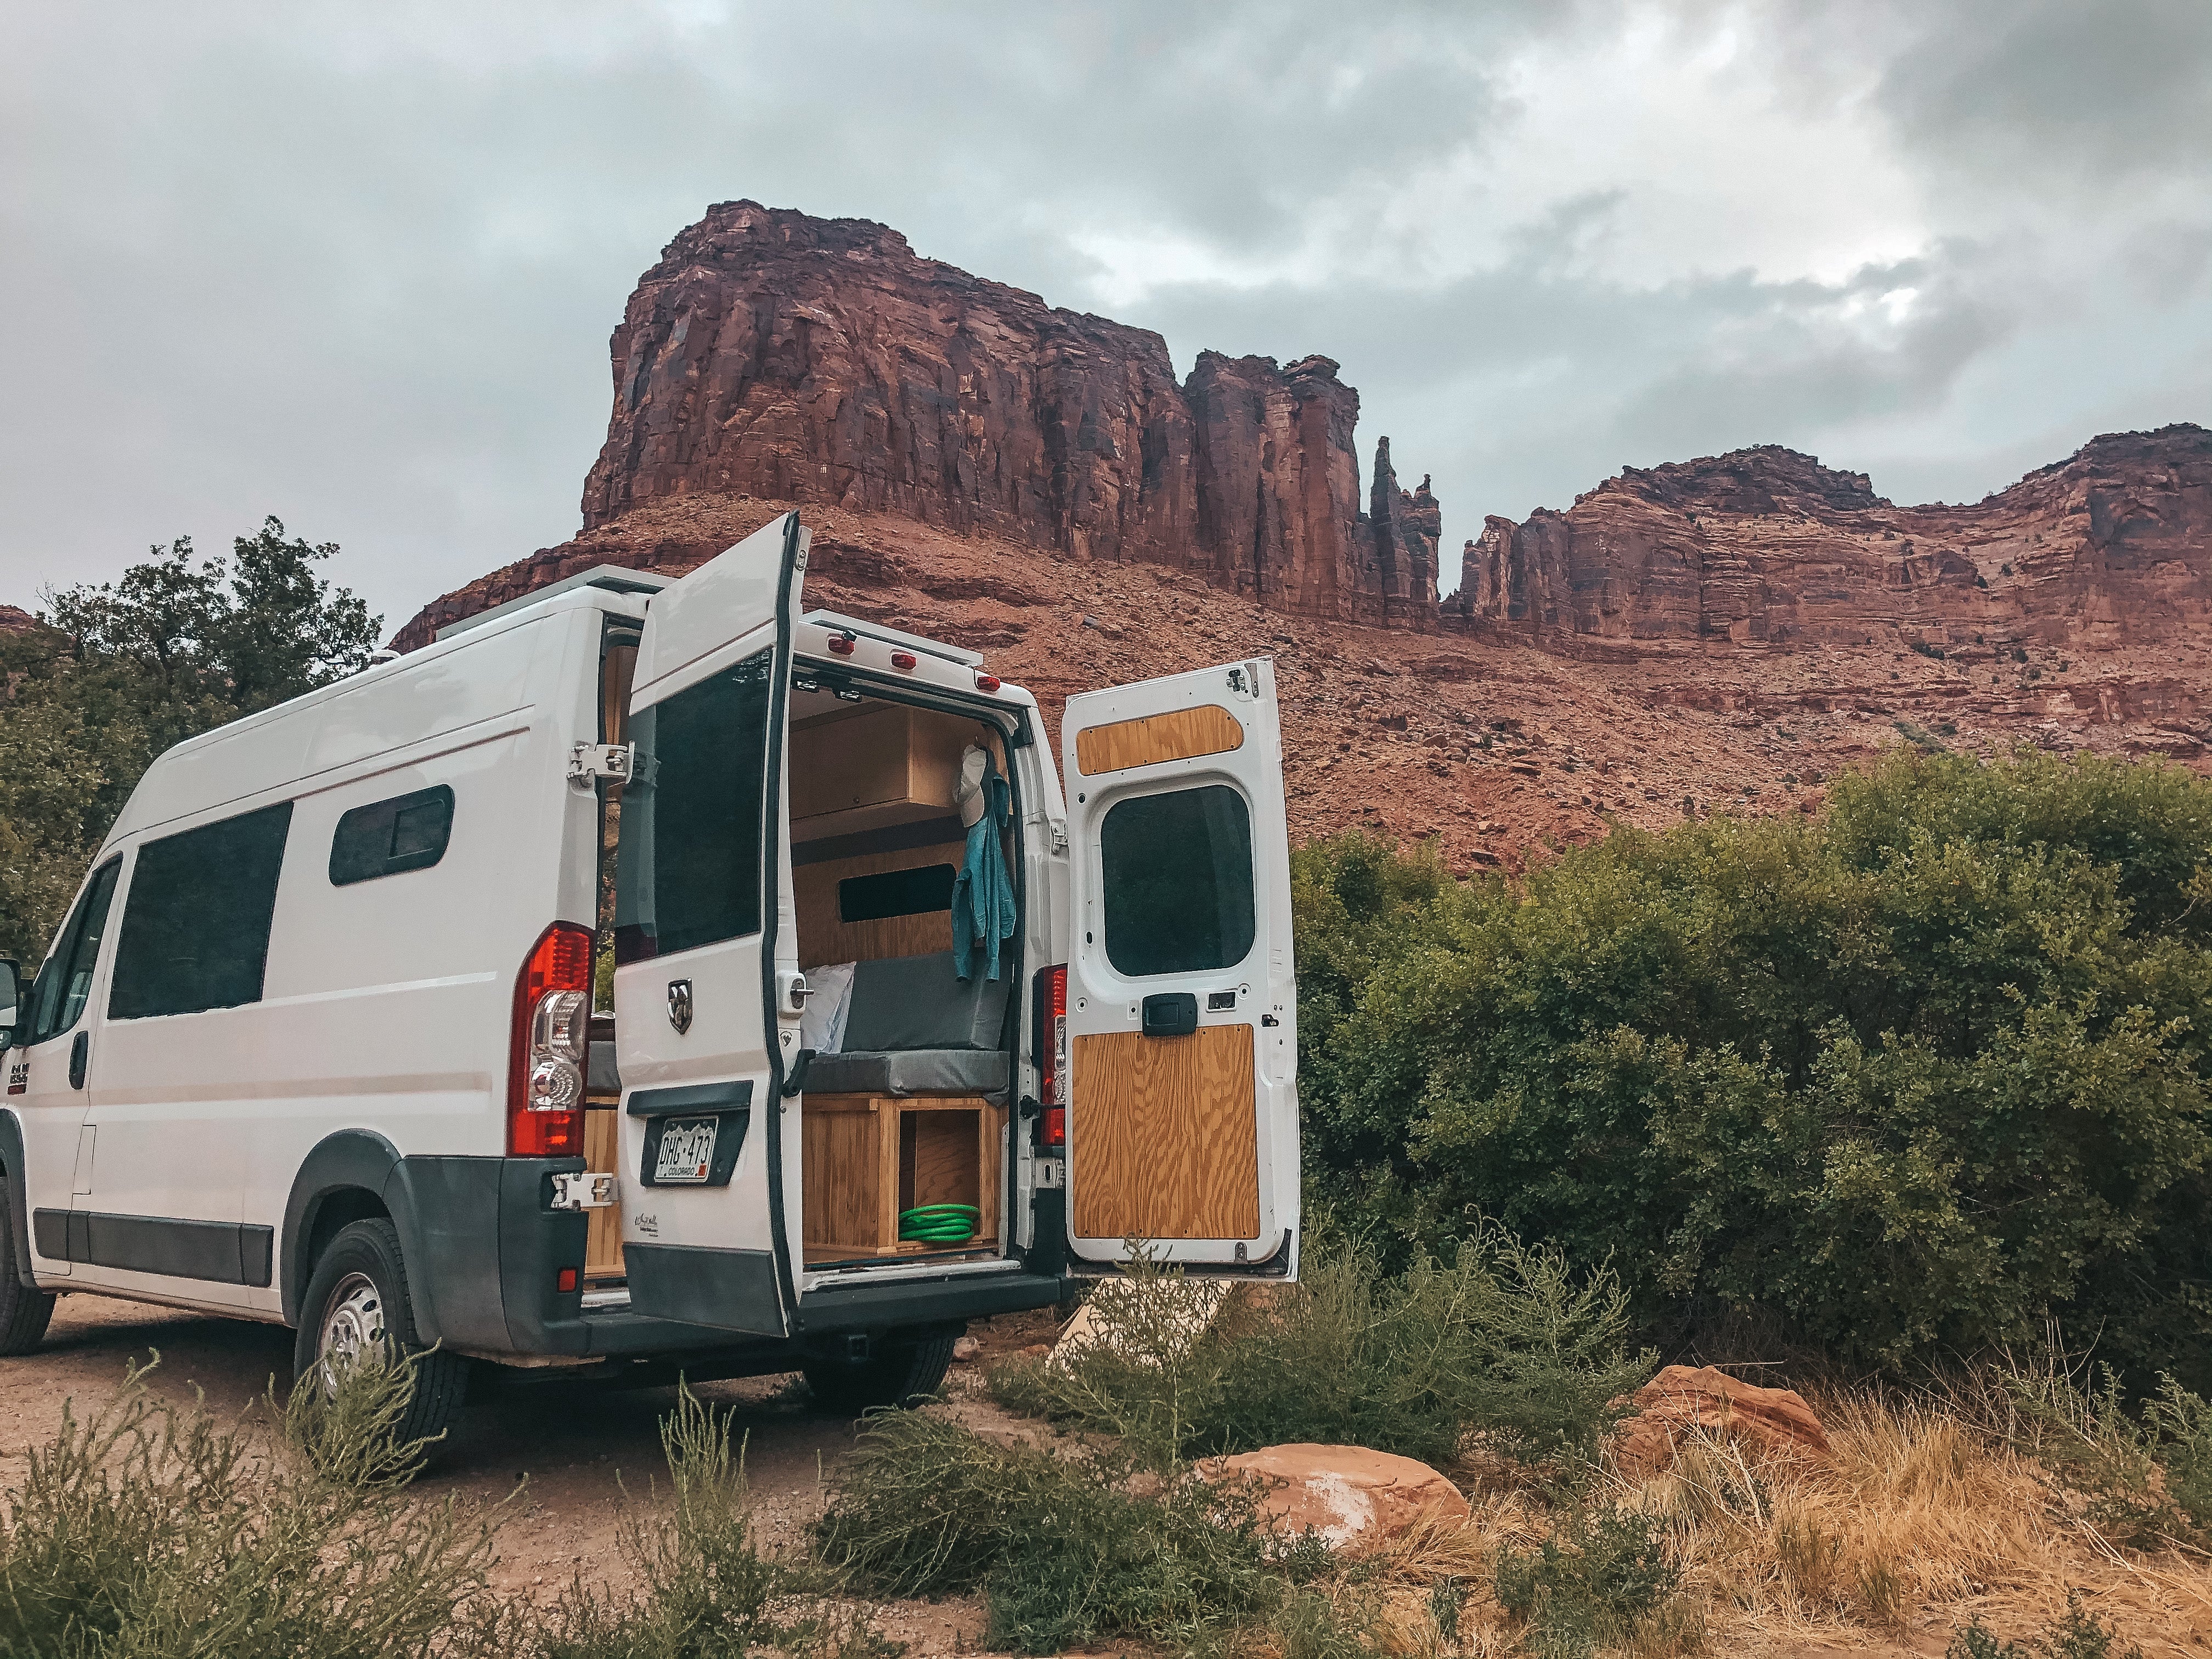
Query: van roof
x,y
615,578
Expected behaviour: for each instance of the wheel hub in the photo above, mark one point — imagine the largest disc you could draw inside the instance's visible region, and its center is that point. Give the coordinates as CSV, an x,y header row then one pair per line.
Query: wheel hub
x,y
352,1333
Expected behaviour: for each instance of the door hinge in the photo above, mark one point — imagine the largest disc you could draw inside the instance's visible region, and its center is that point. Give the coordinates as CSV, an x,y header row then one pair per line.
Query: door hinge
x,y
1060,837
583,1192
591,762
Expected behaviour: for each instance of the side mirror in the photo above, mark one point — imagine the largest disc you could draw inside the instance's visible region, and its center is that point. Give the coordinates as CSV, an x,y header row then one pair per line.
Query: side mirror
x,y
11,1001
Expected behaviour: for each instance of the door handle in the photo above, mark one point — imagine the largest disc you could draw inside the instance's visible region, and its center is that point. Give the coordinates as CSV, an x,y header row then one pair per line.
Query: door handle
x,y
1171,1013
80,1052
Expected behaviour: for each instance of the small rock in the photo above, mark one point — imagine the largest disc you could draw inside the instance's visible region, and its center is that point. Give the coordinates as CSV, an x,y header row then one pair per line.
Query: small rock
x,y
1038,1350
1352,1498
965,1348
1767,1421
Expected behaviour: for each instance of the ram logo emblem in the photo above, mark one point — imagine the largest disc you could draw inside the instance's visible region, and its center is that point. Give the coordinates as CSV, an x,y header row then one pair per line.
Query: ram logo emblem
x,y
679,1004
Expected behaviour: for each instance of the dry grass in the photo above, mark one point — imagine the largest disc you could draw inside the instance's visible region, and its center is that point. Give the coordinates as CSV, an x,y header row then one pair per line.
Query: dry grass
x,y
1916,1524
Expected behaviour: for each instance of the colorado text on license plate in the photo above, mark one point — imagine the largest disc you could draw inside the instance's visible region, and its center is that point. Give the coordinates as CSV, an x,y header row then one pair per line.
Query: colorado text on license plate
x,y
687,1149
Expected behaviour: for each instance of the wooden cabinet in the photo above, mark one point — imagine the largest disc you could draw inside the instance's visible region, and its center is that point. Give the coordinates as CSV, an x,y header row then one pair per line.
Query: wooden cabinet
x,y
873,766
870,1157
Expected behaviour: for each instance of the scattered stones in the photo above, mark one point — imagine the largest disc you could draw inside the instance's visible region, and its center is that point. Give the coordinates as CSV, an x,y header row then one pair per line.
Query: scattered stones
x,y
1352,1498
965,1348
1766,1422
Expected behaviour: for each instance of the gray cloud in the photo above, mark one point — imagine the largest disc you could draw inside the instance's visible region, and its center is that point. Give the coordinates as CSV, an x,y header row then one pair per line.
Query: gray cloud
x,y
359,270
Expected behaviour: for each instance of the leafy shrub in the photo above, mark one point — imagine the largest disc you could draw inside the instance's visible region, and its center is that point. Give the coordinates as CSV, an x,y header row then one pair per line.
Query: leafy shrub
x,y
1600,1577
1067,1548
1507,1340
2078,1634
705,1592
1899,1080
148,1530
2147,1477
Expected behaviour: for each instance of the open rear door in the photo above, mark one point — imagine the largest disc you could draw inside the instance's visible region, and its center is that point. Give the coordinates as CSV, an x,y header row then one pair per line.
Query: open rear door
x,y
1182,1122
706,949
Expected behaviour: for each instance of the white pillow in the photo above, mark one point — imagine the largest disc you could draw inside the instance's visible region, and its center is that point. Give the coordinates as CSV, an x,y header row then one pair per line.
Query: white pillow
x,y
821,1027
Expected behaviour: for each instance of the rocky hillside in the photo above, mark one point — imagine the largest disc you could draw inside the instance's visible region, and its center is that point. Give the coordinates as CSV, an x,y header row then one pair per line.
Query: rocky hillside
x,y
1768,548
1036,483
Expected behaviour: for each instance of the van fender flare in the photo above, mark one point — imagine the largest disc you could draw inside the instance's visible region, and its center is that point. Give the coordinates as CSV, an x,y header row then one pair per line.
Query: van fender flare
x,y
18,1195
353,1158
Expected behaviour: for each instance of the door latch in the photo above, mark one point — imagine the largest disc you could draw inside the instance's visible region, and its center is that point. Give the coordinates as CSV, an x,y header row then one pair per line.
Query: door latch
x,y
1047,1174
593,763
583,1192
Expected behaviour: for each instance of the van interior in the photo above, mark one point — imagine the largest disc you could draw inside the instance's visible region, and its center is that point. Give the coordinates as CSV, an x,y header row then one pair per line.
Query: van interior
x,y
904,1121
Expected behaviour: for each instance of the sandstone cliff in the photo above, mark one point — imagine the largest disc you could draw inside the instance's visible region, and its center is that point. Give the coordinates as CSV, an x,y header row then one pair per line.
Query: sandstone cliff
x,y
1768,547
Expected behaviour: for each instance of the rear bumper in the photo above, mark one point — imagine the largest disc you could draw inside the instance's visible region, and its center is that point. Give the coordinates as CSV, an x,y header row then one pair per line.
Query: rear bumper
x,y
490,1248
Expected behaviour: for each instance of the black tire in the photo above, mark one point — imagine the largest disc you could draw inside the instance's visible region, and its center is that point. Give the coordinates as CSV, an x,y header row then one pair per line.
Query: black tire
x,y
357,1296
903,1373
23,1312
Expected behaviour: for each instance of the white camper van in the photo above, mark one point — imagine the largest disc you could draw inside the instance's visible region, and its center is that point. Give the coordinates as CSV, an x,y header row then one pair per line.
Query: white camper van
x,y
900,1036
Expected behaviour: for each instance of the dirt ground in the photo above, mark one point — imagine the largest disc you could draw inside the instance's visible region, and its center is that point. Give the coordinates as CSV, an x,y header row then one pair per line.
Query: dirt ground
x,y
557,1463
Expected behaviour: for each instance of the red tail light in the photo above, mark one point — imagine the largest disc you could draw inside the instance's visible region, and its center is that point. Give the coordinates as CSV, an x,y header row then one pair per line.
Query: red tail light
x,y
986,681
547,1048
1051,1048
903,658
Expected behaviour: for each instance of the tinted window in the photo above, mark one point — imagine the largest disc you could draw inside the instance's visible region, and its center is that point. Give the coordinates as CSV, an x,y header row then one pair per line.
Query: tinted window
x,y
688,867
896,893
1177,884
65,980
407,832
196,926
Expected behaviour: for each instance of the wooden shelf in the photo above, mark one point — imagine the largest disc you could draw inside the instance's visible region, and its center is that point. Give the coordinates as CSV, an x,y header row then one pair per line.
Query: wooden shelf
x,y
869,1156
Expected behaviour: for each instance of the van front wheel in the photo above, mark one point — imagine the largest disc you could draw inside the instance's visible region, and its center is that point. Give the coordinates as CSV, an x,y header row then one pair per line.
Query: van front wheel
x,y
356,1312
901,1373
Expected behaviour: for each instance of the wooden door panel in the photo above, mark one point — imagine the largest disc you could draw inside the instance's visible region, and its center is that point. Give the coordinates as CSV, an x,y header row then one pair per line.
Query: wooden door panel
x,y
1164,1135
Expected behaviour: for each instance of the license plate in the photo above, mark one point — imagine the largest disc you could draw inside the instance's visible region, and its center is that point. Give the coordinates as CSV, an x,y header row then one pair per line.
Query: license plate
x,y
687,1149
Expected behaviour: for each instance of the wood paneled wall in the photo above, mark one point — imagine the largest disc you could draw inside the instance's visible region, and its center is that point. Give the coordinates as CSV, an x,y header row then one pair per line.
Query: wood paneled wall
x,y
1164,1133
1208,729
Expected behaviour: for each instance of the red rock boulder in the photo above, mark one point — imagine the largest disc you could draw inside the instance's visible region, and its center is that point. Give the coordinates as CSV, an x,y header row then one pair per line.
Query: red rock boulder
x,y
1354,1499
1767,1422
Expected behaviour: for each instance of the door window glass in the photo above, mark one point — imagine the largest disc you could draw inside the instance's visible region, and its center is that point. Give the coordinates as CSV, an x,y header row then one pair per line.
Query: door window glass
x,y
195,926
407,832
1177,881
688,864
65,980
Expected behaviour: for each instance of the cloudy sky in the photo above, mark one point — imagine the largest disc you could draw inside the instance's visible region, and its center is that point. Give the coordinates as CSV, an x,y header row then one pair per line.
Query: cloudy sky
x,y
356,266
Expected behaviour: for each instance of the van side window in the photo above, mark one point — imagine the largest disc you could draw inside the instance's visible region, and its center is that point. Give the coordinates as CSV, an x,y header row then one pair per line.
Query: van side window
x,y
64,980
688,864
897,893
1177,881
407,832
195,926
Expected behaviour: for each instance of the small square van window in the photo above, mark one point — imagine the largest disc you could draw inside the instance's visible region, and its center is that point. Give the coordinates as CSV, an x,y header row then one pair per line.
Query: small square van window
x,y
387,837
897,893
196,925
64,983
688,863
1177,881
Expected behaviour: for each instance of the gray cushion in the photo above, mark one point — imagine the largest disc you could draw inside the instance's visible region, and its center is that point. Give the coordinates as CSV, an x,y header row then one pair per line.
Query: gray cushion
x,y
909,1072
916,1002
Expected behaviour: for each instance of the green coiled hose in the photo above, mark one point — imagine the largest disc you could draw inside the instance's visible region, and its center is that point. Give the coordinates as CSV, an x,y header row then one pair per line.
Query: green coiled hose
x,y
939,1224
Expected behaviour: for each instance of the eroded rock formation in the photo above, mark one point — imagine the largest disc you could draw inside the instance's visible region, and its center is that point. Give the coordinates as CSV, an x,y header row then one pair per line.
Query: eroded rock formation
x,y
1767,546
783,357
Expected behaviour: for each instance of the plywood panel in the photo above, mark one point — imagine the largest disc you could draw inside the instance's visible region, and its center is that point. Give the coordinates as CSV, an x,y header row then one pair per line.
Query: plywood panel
x,y
603,1246
822,938
1208,729
1164,1135
881,764
854,1177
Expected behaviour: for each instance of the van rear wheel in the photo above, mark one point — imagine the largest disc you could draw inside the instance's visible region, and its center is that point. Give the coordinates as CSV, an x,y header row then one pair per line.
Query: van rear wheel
x,y
356,1311
901,1373
24,1310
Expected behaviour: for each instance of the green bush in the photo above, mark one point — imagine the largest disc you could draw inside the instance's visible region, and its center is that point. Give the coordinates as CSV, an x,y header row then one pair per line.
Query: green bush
x,y
1505,1340
2078,1634
1067,1547
705,1590
147,1530
1599,1578
1899,1080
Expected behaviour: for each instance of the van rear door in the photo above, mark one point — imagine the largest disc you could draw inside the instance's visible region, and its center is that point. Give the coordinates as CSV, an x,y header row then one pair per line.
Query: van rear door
x,y
705,948
1182,1120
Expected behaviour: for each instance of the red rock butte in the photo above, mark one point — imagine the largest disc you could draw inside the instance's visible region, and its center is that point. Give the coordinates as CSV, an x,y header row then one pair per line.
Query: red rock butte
x,y
1035,483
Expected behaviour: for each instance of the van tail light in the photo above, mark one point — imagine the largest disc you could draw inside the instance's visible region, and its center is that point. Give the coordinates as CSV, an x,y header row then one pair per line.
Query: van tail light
x,y
902,659
1051,1046
548,1046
